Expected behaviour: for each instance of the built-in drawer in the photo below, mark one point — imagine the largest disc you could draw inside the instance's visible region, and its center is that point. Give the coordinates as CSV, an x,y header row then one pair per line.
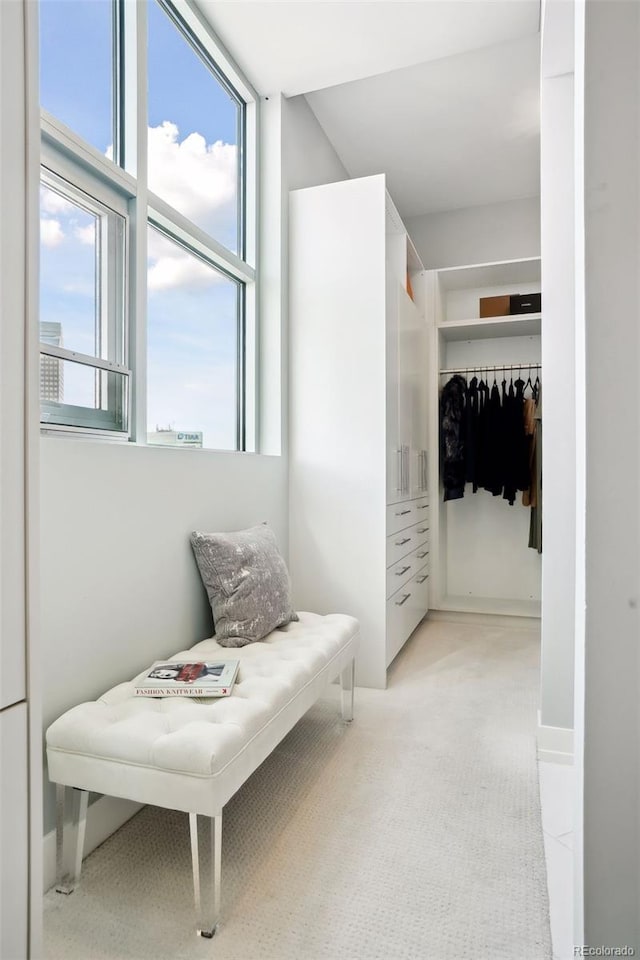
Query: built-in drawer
x,y
405,610
406,568
421,507
420,588
400,516
406,541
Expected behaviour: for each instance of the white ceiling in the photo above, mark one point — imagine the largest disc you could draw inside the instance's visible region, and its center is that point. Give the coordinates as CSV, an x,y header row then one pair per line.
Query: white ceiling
x,y
452,133
441,95
295,47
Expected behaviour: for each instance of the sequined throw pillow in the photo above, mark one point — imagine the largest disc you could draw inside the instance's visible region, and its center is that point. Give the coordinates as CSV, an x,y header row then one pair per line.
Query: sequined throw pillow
x,y
247,582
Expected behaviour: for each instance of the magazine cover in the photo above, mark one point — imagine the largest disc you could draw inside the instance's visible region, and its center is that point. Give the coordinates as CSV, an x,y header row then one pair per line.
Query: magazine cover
x,y
177,678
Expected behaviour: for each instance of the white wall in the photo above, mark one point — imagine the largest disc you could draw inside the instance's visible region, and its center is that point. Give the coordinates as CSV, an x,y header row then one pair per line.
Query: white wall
x,y
496,231
612,219
308,156
120,587
581,472
295,152
558,363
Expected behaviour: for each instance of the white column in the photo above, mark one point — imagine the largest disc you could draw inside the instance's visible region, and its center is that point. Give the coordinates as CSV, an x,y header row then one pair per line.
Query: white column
x,y
558,380
612,642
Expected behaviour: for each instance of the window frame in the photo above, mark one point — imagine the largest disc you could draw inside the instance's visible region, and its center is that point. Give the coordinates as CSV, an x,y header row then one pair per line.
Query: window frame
x,y
125,178
81,188
172,233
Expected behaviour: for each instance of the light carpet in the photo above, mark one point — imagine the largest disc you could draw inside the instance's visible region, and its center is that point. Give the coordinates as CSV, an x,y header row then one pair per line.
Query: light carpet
x,y
413,833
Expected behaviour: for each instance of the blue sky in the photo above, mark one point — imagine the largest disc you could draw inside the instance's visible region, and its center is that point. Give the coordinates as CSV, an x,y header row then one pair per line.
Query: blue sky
x,y
192,165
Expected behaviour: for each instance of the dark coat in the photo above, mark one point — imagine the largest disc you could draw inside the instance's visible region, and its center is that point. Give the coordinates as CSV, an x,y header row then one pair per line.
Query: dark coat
x,y
452,437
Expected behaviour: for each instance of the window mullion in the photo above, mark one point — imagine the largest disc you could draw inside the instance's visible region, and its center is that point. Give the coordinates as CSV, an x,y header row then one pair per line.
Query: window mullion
x,y
185,231
86,359
135,154
118,89
62,147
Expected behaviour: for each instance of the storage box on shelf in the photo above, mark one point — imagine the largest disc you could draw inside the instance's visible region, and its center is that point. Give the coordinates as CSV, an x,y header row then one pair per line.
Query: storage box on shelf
x,y
358,389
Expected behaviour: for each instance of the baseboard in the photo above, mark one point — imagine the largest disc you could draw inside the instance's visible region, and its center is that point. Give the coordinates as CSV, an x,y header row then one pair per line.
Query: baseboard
x,y
105,816
493,606
484,619
555,744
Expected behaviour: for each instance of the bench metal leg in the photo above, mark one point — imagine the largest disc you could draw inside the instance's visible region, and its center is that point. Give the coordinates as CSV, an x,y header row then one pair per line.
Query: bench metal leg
x,y
67,880
347,683
207,901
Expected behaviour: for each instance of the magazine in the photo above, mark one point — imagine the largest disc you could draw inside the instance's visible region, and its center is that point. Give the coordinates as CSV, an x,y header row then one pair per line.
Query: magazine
x,y
181,678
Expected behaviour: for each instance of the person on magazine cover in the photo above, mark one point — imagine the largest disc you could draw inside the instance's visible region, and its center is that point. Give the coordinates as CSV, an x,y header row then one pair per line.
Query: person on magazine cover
x,y
186,672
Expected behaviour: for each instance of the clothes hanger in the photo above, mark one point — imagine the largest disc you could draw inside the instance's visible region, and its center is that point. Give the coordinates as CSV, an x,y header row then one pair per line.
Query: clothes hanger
x,y
528,383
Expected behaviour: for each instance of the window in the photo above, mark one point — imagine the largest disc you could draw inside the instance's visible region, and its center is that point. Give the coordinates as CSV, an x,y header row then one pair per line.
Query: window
x,y
77,81
83,377
195,133
193,375
156,355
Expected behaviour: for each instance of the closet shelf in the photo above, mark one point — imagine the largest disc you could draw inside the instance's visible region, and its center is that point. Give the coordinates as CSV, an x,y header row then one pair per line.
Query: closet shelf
x,y
522,325
490,274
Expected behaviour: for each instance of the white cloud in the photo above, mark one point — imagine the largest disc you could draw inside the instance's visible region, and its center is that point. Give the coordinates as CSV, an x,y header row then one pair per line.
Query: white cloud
x,y
179,271
197,178
174,267
86,234
200,181
52,202
51,233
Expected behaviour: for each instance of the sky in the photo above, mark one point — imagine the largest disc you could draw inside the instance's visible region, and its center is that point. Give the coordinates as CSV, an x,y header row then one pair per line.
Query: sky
x,y
192,146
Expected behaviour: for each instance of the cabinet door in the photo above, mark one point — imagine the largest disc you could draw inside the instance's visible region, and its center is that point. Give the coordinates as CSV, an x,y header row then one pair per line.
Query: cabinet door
x,y
412,393
421,431
395,471
12,356
14,846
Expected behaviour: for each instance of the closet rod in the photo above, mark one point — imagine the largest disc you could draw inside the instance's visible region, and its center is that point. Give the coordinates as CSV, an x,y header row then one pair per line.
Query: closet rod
x,y
495,367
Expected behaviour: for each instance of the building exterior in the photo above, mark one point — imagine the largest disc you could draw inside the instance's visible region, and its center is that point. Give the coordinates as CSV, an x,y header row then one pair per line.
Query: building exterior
x,y
175,438
51,369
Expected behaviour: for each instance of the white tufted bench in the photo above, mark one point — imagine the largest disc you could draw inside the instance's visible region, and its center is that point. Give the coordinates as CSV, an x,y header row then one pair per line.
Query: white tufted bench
x,y
193,756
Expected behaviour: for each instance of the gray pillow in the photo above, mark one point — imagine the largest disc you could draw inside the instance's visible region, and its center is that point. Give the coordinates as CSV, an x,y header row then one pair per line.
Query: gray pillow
x,y
247,582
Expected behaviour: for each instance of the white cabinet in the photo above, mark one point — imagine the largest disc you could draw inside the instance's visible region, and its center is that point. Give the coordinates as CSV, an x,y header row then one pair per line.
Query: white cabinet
x,y
358,369
20,761
14,825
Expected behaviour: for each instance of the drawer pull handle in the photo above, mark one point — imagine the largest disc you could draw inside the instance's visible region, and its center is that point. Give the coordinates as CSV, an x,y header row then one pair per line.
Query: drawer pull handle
x,y
401,543
421,555
423,529
422,506
403,513
422,579
400,573
404,600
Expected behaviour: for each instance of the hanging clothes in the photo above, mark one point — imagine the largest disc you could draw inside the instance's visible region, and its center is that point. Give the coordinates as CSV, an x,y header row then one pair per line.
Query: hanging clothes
x,y
494,443
529,497
481,436
453,436
471,432
535,522
516,472
491,438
